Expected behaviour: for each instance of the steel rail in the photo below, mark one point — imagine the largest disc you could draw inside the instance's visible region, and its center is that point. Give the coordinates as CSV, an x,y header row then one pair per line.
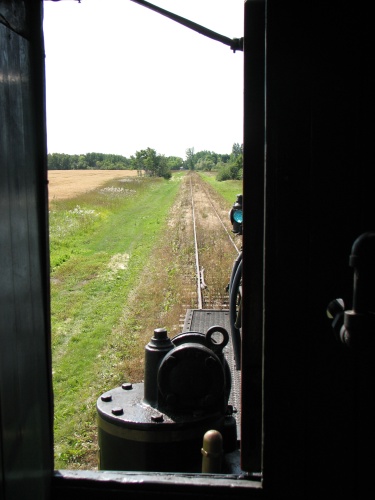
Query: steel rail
x,y
221,222
199,284
199,270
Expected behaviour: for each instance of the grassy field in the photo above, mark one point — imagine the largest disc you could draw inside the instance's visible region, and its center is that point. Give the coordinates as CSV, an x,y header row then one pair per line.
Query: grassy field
x,y
115,264
227,189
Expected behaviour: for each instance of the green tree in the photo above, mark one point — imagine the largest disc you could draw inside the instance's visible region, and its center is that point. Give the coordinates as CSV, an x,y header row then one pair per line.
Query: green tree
x,y
237,149
162,169
93,160
205,164
189,162
153,164
62,161
224,158
233,168
174,162
59,161
145,159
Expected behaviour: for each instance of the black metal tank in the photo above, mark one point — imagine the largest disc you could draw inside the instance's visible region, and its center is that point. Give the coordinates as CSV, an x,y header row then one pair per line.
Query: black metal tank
x,y
159,424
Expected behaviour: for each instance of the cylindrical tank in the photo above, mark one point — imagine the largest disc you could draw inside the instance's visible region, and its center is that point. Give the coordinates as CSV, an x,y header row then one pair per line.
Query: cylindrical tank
x,y
136,437
158,425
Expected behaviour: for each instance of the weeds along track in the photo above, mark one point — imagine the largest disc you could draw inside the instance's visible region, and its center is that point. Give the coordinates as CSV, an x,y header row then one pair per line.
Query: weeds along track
x,y
215,247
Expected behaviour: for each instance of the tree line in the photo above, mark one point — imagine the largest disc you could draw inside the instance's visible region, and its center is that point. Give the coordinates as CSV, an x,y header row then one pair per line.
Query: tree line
x,y
227,166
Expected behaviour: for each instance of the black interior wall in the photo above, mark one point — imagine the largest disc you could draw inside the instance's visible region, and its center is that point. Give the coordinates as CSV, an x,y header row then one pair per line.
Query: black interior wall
x,y
318,200
25,372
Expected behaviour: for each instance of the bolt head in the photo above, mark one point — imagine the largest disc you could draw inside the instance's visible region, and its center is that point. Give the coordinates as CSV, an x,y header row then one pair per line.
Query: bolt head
x,y
106,397
157,417
127,386
117,411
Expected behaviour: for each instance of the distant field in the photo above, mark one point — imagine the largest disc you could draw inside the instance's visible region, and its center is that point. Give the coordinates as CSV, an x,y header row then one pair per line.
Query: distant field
x,y
65,184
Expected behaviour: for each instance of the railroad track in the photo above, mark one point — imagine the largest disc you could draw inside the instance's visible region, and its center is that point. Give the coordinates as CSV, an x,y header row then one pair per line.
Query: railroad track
x,y
197,186
212,308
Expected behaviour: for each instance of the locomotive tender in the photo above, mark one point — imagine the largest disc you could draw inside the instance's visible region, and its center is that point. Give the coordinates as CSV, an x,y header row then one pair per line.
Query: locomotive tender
x,y
307,407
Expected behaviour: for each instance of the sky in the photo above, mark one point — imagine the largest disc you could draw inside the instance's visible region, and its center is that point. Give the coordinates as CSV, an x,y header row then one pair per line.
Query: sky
x,y
121,78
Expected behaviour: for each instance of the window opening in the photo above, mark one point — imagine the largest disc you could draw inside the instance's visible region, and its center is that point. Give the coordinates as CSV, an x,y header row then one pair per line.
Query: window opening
x,y
181,382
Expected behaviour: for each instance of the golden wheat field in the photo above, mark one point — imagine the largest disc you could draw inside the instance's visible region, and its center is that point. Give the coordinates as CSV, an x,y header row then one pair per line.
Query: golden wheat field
x,y
63,184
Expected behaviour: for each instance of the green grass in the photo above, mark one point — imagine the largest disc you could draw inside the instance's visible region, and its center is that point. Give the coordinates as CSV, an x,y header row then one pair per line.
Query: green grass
x,y
227,189
99,245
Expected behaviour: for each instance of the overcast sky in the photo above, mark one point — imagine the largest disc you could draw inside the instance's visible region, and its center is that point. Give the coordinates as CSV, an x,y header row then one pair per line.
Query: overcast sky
x,y
121,77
